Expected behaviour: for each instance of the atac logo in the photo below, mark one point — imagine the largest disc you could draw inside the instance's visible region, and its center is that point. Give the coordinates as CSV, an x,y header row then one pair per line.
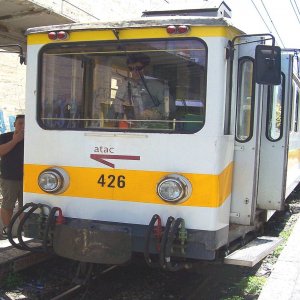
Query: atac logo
x,y
102,154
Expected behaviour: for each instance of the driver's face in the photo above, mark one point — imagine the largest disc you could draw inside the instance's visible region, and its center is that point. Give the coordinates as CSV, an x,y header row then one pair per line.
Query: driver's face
x,y
136,69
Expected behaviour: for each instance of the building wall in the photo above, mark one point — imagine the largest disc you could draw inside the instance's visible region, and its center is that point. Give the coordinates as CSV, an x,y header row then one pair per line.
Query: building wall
x,y
92,10
12,89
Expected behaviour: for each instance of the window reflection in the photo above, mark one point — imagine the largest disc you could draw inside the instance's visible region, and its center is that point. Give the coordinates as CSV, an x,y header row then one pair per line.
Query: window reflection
x,y
275,111
100,87
245,106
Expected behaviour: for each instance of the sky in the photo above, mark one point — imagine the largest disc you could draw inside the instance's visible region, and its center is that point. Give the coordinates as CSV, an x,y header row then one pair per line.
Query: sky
x,y
283,22
252,16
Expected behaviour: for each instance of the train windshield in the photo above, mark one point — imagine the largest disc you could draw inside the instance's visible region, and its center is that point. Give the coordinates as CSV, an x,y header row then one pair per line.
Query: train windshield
x,y
143,86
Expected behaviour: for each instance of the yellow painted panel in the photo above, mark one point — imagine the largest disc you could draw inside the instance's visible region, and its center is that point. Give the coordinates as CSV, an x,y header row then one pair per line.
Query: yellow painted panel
x,y
293,158
294,154
140,186
134,33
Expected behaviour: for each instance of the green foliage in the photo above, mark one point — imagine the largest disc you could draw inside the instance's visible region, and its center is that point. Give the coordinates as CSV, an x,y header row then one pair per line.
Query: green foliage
x,y
278,250
285,234
252,285
248,286
12,280
234,298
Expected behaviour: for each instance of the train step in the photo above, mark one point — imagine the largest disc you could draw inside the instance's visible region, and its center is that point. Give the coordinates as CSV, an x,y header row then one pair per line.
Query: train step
x,y
253,252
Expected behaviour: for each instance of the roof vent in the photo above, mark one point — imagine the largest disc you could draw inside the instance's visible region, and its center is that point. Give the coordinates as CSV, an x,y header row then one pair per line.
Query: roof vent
x,y
204,8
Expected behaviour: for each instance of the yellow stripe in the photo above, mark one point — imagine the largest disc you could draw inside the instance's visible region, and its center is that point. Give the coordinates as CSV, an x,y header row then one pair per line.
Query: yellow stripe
x,y
134,33
293,158
294,154
208,190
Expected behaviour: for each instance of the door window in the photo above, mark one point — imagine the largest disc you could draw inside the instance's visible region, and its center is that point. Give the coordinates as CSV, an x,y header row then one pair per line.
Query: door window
x,y
245,100
275,111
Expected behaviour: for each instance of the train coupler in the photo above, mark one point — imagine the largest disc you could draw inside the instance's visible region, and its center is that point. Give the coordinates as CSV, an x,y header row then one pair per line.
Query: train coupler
x,y
175,231
182,236
157,232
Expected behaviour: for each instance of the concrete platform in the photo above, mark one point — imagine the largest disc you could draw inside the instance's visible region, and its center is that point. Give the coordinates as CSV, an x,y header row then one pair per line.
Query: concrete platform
x,y
284,281
14,260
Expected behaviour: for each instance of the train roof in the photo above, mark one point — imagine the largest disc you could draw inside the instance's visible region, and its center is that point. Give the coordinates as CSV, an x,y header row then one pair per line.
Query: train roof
x,y
157,21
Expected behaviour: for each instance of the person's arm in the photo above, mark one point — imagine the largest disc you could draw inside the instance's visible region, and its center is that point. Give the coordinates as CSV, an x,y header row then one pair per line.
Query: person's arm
x,y
7,147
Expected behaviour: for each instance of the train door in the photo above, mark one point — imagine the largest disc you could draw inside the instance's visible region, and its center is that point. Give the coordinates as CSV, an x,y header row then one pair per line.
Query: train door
x,y
247,138
274,141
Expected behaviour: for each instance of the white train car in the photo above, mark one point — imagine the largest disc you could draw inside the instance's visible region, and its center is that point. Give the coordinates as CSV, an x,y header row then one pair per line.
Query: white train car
x,y
199,168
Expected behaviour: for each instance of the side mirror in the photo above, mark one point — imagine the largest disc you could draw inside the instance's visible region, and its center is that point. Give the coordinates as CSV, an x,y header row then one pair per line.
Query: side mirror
x,y
267,67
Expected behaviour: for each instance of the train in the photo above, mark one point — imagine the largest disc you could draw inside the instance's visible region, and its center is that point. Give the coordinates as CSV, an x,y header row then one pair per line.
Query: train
x,y
199,170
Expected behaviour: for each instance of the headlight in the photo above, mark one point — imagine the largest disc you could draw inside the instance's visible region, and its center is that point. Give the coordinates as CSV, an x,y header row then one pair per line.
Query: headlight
x,y
174,188
54,180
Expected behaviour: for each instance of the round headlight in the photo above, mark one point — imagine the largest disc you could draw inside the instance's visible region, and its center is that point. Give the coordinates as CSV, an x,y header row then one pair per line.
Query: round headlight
x,y
54,180
174,188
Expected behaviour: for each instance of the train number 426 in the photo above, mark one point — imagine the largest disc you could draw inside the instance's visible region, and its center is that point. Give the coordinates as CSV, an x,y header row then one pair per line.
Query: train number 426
x,y
112,181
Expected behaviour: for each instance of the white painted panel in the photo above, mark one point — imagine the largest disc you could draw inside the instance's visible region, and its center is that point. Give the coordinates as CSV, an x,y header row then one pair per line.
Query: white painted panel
x,y
246,161
273,154
206,152
201,218
293,169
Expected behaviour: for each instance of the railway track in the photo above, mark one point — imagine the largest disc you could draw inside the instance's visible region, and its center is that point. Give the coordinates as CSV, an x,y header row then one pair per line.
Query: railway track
x,y
83,285
54,279
138,282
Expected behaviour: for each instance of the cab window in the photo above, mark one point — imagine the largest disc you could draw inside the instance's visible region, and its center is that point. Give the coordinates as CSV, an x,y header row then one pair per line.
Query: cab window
x,y
148,86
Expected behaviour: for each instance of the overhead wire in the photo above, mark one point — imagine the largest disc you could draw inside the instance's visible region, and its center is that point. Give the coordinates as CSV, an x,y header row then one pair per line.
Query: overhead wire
x,y
261,16
296,14
270,30
272,23
297,6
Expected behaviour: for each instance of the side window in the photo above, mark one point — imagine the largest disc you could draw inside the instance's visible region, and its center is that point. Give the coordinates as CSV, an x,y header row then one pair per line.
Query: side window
x,y
292,108
245,100
227,127
296,120
275,111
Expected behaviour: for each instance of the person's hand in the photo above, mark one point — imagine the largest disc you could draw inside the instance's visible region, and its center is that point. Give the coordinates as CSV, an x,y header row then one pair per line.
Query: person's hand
x,y
18,136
